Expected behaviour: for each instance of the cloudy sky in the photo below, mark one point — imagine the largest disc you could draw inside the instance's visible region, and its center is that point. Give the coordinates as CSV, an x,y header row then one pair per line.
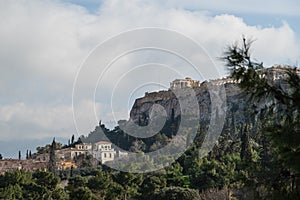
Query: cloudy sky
x,y
45,44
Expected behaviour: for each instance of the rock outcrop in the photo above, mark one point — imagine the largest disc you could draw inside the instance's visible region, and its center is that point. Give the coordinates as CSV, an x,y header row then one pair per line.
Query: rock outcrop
x,y
142,107
235,98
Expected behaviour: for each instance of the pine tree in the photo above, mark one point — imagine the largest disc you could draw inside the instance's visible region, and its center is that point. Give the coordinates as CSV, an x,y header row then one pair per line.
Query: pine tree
x,y
280,110
19,155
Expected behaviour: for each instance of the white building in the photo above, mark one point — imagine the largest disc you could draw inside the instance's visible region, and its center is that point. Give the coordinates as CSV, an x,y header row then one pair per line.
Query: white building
x,y
84,146
103,151
69,154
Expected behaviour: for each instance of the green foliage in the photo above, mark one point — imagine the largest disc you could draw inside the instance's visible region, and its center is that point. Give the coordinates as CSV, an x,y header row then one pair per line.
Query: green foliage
x,y
25,185
151,184
11,192
174,193
46,179
76,182
279,115
175,176
82,193
59,194
130,183
115,191
99,183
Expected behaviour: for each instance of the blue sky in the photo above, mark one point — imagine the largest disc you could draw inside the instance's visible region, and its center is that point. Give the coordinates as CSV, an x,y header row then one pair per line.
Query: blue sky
x,y
43,44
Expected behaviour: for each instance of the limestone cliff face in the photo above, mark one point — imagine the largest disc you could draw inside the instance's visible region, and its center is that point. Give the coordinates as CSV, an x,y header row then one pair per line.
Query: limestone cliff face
x,y
142,106
235,98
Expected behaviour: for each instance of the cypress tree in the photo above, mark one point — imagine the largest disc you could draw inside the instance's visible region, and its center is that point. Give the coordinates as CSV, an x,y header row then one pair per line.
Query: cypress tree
x,y
52,160
245,146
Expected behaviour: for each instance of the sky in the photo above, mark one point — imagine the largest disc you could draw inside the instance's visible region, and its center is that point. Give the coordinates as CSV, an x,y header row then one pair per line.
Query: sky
x,y
44,45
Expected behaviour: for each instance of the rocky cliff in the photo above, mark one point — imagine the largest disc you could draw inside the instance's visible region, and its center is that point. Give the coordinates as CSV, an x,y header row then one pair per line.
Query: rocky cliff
x,y
142,107
235,98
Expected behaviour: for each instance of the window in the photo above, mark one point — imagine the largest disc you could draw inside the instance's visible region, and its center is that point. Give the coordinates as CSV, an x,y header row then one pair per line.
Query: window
x,y
104,155
110,155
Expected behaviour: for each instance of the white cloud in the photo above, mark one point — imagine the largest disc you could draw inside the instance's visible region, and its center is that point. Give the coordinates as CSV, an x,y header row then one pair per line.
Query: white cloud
x,y
44,42
34,122
25,121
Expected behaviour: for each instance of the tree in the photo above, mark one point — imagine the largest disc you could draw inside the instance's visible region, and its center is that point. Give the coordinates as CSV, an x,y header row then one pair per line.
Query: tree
x,y
174,175
52,159
46,179
174,193
115,191
280,112
99,183
130,183
152,184
82,193
19,155
59,194
1,157
11,192
72,139
246,148
138,146
76,182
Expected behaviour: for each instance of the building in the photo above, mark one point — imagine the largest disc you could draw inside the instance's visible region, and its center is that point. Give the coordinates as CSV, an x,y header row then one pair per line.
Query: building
x,y
26,165
32,165
277,72
69,154
84,146
10,164
63,165
44,157
103,151
222,81
184,83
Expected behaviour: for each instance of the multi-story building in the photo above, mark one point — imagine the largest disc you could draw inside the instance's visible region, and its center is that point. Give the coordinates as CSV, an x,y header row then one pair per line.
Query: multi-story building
x,y
103,151
69,154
